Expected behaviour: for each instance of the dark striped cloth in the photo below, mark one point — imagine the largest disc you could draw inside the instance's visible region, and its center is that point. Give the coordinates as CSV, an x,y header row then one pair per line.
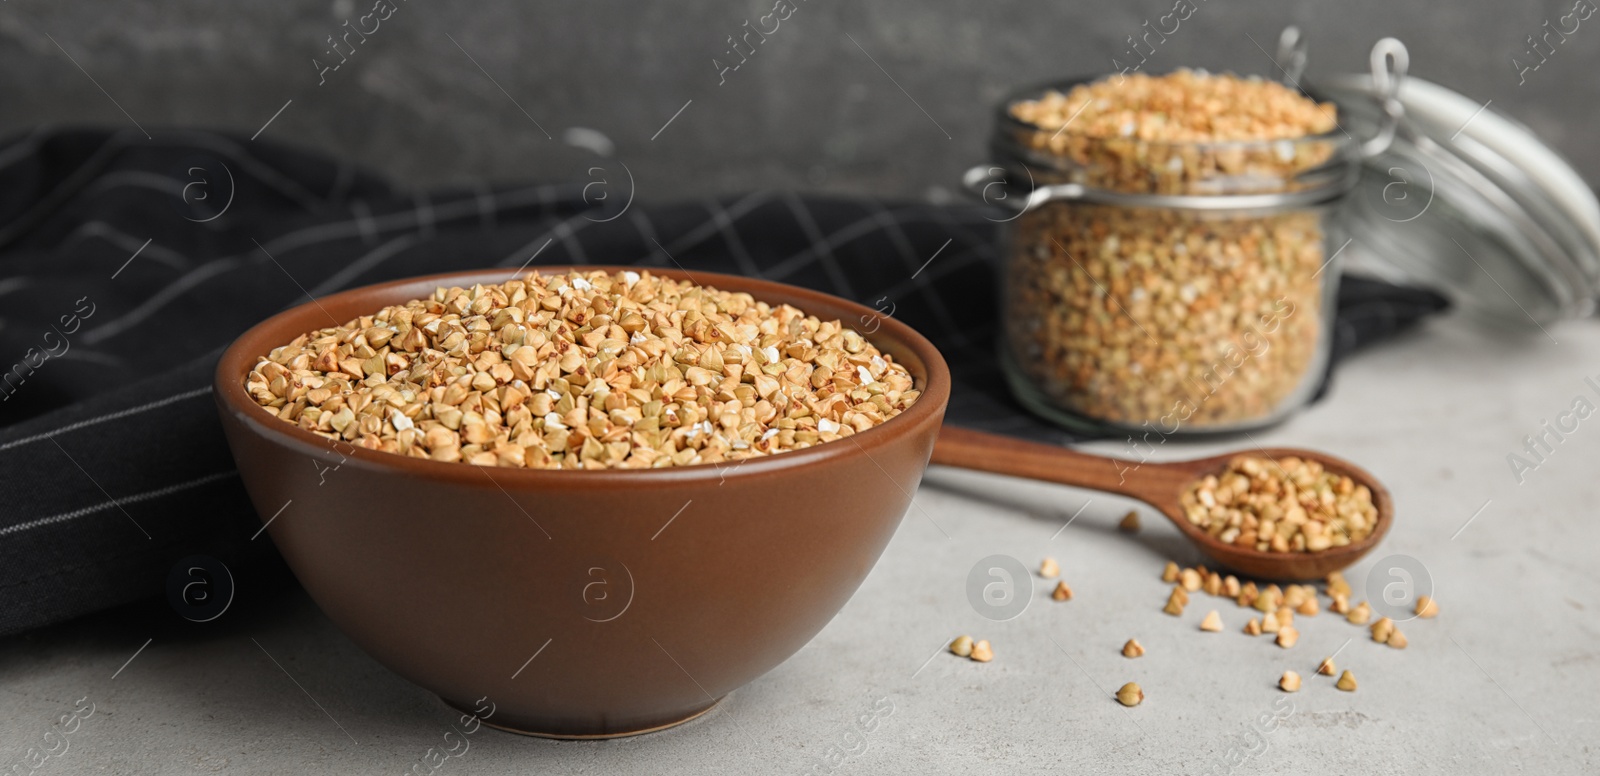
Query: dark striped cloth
x,y
127,263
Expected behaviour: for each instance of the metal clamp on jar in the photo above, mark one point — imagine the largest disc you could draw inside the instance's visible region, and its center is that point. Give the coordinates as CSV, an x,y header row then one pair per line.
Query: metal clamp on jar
x,y
1171,284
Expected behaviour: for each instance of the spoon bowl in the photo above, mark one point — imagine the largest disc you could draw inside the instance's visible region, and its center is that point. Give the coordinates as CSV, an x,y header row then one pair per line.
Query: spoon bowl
x,y
1162,485
1266,564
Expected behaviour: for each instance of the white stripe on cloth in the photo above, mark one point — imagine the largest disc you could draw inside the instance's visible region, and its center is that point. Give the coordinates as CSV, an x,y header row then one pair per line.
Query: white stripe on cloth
x,y
830,262
93,357
363,265
363,214
705,231
134,179
123,241
839,237
486,206
165,296
134,499
14,284
107,417
300,238
891,225
423,209
404,219
24,146
564,230
724,222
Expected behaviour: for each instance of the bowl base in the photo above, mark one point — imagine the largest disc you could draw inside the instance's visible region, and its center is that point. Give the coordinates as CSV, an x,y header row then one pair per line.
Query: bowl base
x,y
513,728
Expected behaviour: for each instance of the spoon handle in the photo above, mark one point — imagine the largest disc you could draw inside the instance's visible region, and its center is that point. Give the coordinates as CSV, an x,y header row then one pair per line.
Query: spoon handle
x,y
1155,484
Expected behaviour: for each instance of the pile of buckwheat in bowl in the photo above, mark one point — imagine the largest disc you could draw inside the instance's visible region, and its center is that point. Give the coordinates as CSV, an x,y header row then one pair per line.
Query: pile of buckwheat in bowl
x,y
583,370
1130,314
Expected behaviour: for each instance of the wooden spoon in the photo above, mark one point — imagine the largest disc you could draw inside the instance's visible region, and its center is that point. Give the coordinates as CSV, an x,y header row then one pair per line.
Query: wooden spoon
x,y
1161,485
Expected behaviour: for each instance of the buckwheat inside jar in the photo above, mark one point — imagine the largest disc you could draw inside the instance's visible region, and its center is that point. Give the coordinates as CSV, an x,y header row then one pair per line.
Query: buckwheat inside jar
x,y
1162,290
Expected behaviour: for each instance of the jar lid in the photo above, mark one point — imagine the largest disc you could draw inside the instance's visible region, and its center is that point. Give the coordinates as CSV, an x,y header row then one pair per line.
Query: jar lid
x,y
1469,202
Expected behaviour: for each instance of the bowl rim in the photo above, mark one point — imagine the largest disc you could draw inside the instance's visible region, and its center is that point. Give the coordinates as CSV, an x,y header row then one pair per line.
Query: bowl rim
x,y
252,345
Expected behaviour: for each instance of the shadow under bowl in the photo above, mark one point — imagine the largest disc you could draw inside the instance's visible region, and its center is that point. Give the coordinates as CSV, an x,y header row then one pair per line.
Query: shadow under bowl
x,y
579,604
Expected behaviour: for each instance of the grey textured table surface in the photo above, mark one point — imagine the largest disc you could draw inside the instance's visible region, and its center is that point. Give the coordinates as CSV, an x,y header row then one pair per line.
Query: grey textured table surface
x,y
1503,681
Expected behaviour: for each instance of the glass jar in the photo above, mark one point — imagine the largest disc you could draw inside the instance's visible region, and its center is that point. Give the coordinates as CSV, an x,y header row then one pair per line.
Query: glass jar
x,y
1169,286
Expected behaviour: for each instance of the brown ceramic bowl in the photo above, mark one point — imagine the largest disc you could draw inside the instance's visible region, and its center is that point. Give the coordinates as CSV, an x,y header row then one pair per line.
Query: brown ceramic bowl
x,y
580,603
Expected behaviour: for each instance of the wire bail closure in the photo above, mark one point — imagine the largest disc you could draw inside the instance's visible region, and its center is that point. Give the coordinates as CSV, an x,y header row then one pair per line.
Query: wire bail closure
x,y
1389,63
1292,52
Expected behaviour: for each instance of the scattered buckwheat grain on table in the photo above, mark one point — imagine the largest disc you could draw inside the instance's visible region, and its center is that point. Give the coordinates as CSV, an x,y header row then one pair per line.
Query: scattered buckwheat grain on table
x,y
583,370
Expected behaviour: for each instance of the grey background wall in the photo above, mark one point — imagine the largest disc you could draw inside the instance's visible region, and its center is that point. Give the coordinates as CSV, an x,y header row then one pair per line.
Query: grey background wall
x,y
888,98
